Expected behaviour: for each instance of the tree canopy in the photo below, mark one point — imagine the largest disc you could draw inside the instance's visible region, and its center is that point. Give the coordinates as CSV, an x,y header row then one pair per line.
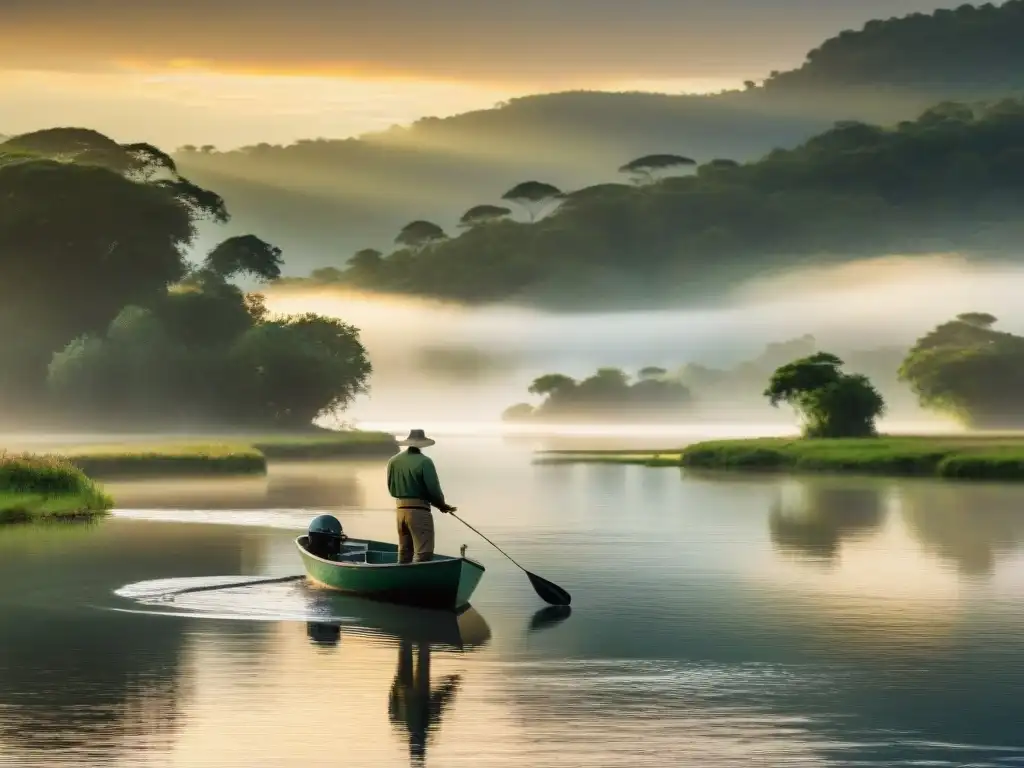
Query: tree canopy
x,y
208,354
533,196
914,53
967,369
293,370
829,402
418,234
89,226
105,320
647,169
482,214
608,394
245,255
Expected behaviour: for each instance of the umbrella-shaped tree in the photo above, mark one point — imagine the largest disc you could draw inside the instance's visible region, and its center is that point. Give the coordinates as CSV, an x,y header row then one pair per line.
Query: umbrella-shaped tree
x,y
649,168
418,234
483,214
535,197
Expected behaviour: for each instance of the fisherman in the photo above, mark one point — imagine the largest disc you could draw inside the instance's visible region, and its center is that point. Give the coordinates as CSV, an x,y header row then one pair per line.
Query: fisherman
x,y
413,483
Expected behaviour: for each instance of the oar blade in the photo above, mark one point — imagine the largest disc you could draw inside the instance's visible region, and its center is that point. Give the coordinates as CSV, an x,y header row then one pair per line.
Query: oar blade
x,y
548,592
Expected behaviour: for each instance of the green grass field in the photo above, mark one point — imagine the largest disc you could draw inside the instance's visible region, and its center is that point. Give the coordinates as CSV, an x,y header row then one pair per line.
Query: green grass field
x,y
647,458
41,487
236,455
969,457
161,459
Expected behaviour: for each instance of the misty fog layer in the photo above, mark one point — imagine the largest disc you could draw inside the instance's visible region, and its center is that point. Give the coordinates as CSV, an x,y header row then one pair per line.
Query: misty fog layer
x,y
456,367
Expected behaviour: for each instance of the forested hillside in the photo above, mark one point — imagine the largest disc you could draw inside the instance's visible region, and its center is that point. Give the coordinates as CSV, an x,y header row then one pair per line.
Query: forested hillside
x,y
953,179
322,200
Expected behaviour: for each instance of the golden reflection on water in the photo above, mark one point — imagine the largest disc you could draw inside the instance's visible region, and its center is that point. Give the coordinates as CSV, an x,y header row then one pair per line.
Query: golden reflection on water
x,y
716,621
363,701
885,566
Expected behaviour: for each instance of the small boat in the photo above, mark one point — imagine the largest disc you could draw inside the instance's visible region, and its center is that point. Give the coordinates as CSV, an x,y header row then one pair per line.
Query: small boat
x,y
371,569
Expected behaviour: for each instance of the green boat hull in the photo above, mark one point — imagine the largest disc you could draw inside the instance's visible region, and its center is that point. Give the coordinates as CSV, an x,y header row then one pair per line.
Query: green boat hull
x,y
370,569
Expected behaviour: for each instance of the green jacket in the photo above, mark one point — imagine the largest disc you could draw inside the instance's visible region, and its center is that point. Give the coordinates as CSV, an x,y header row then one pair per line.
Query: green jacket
x,y
412,475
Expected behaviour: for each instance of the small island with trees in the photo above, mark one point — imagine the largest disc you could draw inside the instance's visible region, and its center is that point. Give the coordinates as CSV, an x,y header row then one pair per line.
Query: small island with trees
x,y
964,368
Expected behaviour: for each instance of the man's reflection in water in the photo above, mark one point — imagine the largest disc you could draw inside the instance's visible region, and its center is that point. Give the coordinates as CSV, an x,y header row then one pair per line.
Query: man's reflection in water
x,y
413,704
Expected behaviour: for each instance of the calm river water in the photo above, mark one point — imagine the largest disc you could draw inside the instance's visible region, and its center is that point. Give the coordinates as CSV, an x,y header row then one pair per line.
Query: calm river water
x,y
716,621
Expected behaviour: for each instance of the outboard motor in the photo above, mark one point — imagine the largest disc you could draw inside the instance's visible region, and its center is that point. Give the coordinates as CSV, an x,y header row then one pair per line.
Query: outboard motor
x,y
326,537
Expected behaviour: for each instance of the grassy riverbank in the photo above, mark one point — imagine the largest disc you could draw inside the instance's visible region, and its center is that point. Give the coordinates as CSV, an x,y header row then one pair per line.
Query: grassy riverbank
x,y
39,487
234,455
974,457
150,460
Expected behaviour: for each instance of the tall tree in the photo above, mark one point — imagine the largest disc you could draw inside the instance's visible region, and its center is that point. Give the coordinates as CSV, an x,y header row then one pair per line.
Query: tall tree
x,y
829,402
482,214
365,266
647,169
366,259
89,226
245,255
967,369
419,234
535,197
293,370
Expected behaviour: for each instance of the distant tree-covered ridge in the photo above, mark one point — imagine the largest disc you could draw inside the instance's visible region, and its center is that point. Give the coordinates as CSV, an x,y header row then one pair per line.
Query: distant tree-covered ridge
x,y
323,199
607,395
974,48
952,179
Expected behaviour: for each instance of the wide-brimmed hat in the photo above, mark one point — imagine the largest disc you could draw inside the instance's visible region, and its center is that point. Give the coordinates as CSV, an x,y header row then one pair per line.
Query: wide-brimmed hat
x,y
417,439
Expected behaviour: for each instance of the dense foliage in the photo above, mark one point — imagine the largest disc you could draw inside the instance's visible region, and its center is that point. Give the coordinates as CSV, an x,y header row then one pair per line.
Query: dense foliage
x,y
973,47
966,369
829,402
323,199
207,354
607,395
87,226
952,179
104,319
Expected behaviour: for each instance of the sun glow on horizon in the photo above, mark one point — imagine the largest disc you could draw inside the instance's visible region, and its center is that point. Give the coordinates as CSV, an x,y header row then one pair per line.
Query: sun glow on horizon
x,y
193,101
184,104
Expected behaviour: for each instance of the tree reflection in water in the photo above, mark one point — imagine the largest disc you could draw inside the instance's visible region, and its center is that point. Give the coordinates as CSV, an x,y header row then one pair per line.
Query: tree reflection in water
x,y
965,524
821,516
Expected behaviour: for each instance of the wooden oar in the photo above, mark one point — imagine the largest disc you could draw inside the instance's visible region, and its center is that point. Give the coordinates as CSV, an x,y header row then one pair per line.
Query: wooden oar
x,y
547,591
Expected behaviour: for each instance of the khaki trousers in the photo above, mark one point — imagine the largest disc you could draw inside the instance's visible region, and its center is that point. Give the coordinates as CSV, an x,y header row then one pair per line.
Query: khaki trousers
x,y
415,532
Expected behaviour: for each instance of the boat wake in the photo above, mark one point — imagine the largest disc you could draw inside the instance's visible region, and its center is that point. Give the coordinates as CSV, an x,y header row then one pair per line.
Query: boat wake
x,y
283,518
285,598
293,599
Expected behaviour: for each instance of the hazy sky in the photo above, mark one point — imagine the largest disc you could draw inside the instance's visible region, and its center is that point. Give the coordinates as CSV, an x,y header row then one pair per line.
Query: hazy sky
x,y
231,72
